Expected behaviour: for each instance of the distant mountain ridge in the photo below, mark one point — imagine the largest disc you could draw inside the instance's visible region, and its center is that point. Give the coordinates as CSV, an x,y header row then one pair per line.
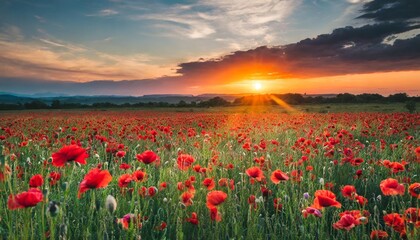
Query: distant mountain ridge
x,y
48,98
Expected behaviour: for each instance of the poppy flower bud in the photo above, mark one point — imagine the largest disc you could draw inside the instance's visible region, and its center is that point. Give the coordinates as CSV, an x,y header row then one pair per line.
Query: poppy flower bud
x,y
63,231
97,204
45,192
110,204
64,186
363,220
53,208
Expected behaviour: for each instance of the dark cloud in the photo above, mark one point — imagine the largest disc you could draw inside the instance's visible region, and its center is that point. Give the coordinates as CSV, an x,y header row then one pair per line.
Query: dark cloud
x,y
391,10
375,47
344,51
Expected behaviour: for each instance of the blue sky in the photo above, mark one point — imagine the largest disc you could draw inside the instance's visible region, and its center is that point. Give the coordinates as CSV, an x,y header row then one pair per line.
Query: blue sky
x,y
70,40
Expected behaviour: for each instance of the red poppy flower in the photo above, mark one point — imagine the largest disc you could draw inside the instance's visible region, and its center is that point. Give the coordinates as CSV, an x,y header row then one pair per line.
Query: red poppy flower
x,y
397,167
25,199
414,190
346,222
209,183
193,219
311,210
361,200
412,215
68,154
147,157
95,178
223,182
251,200
395,221
349,191
378,234
124,166
278,176
215,215
54,177
120,154
417,151
360,216
296,175
162,186
215,198
325,198
161,227
186,198
130,219
390,187
139,176
185,161
255,172
152,191
36,181
124,180
277,205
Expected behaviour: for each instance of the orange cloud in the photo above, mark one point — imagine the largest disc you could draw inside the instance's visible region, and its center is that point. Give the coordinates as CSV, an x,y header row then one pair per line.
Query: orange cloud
x,y
56,60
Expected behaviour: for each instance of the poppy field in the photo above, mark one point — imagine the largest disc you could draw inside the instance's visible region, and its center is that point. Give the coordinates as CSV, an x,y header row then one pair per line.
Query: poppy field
x,y
209,175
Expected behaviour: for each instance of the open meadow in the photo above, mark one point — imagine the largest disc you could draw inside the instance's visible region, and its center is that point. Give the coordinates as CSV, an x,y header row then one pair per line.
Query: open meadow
x,y
209,175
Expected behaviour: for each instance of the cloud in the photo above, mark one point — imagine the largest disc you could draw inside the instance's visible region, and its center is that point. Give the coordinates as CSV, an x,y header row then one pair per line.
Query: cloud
x,y
40,19
180,25
346,50
98,87
71,47
358,1
382,46
11,33
247,19
391,10
103,13
54,59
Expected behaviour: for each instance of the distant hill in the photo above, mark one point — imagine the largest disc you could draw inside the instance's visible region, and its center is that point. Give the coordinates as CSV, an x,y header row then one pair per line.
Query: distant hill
x,y
8,98
12,99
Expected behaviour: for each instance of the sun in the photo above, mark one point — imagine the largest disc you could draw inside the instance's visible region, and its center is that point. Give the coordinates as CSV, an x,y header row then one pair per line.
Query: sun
x,y
257,86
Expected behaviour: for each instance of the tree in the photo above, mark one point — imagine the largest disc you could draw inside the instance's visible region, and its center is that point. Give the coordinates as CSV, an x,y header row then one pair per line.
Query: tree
x,y
398,97
182,103
345,98
411,106
36,104
56,104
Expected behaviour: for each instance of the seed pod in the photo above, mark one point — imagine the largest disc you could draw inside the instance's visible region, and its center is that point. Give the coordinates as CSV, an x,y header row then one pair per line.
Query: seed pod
x,y
111,204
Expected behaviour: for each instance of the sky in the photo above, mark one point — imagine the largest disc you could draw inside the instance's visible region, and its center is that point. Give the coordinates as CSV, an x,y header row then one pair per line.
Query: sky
x,y
138,47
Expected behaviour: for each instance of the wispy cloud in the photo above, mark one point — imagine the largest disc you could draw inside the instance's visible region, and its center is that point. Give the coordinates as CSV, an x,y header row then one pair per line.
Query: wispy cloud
x,y
11,33
47,57
65,45
250,20
40,19
103,13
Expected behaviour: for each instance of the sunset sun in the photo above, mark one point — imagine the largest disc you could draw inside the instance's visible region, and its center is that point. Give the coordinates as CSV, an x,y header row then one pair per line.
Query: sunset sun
x,y
257,86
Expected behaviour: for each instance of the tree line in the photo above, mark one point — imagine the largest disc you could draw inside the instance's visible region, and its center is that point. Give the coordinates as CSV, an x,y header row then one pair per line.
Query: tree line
x,y
265,99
